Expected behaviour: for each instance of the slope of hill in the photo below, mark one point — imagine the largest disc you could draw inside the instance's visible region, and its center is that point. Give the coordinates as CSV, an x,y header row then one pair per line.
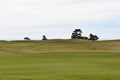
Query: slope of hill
x,y
60,60
59,45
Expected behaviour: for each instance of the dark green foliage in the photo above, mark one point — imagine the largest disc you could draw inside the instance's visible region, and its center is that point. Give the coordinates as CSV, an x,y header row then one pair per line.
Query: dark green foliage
x,y
27,38
77,34
93,37
44,37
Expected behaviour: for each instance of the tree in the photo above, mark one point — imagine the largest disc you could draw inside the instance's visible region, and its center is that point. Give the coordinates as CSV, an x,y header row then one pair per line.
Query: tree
x,y
27,38
93,37
44,37
76,34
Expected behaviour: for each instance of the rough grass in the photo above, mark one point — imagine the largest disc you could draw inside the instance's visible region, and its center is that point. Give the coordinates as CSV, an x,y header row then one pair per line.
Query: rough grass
x,y
60,60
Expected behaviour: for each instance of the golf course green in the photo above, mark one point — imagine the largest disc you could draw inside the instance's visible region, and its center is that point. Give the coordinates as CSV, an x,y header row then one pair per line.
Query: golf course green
x,y
60,60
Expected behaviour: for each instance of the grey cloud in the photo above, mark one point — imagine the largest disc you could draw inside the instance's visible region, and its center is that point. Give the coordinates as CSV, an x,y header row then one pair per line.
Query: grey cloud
x,y
22,15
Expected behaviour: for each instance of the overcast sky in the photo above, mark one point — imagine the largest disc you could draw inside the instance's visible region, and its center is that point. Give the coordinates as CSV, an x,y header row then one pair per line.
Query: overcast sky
x,y
58,18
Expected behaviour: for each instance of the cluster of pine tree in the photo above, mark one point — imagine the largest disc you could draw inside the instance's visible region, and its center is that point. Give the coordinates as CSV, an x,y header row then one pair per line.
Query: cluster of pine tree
x,y
77,34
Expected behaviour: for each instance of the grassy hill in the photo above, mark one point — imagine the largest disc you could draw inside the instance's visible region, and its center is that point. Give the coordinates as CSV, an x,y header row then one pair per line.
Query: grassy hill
x,y
60,60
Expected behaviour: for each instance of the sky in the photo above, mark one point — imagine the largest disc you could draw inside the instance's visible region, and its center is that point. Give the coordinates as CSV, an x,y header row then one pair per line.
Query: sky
x,y
58,18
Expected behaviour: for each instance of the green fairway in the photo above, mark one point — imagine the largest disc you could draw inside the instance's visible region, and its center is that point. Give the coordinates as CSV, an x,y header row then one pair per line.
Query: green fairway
x,y
60,60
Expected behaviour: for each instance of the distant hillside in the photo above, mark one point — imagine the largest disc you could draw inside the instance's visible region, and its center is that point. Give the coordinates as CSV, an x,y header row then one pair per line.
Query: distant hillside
x,y
59,46
60,60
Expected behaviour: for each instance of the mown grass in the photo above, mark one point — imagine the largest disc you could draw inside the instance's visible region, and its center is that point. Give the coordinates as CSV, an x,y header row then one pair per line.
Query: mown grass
x,y
60,60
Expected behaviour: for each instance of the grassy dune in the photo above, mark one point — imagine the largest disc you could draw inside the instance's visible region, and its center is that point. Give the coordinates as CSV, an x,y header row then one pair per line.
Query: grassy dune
x,y
60,60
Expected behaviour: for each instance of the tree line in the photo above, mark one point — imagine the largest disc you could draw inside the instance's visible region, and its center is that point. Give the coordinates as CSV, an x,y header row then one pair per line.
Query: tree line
x,y
76,34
